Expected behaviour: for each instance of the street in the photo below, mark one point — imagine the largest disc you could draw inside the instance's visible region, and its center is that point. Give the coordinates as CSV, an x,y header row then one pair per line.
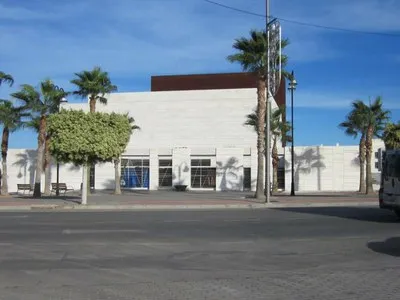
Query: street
x,y
287,253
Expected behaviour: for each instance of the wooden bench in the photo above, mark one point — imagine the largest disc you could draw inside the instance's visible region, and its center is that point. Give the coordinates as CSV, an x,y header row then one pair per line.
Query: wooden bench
x,y
24,187
62,187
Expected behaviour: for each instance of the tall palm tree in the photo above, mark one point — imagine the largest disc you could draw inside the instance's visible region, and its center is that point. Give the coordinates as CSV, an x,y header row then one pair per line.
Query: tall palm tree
x,y
94,84
11,120
355,126
391,136
252,55
117,161
42,102
6,78
373,119
279,131
34,123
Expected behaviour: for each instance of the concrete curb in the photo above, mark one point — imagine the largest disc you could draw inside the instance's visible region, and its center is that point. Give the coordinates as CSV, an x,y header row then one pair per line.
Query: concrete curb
x,y
143,207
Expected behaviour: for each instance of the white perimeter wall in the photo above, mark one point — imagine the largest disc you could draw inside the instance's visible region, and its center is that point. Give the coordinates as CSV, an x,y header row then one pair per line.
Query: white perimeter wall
x,y
327,168
21,165
319,168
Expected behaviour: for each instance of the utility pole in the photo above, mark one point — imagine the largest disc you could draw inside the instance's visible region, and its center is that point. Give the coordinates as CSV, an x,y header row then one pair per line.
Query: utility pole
x,y
267,134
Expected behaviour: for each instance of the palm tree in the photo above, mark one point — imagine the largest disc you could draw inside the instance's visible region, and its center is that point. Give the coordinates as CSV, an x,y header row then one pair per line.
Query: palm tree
x,y
354,126
373,119
391,136
117,161
94,84
279,130
252,55
42,102
34,123
6,78
11,119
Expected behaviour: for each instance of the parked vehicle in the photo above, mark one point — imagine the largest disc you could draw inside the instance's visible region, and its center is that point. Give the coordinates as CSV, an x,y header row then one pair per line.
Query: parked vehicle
x,y
389,192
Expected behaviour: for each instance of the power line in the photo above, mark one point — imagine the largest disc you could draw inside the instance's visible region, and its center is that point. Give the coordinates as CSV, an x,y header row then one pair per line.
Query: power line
x,y
302,23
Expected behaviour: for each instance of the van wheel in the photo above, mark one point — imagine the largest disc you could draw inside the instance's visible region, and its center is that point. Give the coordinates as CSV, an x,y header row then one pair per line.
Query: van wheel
x,y
397,212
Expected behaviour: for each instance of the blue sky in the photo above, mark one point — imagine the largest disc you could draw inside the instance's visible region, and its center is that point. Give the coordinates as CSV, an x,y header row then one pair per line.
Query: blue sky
x,y
134,39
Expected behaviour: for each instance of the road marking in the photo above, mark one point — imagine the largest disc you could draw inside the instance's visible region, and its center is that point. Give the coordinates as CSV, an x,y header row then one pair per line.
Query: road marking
x,y
13,217
88,231
243,220
180,221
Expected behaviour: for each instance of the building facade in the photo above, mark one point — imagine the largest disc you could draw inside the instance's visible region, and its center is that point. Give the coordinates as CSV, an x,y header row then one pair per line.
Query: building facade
x,y
193,133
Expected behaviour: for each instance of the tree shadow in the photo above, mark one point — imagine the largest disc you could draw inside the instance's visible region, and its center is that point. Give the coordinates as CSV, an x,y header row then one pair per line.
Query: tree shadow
x,y
390,246
108,184
356,161
177,173
230,181
27,165
367,214
304,163
74,168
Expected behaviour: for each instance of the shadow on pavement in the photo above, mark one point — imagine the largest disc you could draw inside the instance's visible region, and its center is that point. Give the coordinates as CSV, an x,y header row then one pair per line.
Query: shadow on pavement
x,y
368,214
390,246
329,195
49,199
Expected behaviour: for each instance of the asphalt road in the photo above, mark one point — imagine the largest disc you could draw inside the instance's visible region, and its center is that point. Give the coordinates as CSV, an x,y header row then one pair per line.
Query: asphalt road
x,y
311,253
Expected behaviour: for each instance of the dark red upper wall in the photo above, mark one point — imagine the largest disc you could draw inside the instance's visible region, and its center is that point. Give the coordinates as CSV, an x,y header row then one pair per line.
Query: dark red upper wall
x,y
211,82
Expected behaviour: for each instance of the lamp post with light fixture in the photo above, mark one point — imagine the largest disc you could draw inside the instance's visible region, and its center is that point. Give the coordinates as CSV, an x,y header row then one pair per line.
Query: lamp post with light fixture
x,y
292,88
63,100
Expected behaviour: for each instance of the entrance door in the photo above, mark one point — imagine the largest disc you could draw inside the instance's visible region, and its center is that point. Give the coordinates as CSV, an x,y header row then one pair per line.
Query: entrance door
x,y
135,173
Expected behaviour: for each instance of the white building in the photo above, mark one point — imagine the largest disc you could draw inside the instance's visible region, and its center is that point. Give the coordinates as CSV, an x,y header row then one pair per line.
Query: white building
x,y
192,134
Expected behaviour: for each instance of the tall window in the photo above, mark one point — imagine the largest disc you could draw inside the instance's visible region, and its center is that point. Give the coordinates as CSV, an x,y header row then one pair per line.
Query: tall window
x,y
202,174
165,173
135,173
247,178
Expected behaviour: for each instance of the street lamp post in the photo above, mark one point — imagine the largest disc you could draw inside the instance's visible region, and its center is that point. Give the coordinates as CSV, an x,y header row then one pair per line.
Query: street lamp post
x,y
63,100
292,88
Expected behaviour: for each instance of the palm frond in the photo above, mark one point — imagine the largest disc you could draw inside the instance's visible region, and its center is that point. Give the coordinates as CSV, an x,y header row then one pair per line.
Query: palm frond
x,y
6,78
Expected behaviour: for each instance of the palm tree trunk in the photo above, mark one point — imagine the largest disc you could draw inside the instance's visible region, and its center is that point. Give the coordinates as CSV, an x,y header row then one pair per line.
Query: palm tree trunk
x,y
92,104
47,166
4,151
261,107
39,165
275,162
117,177
362,188
368,156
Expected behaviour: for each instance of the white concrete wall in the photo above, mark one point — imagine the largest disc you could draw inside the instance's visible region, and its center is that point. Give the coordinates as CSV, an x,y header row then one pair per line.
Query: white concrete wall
x,y
327,168
181,166
105,176
153,160
229,169
193,119
21,165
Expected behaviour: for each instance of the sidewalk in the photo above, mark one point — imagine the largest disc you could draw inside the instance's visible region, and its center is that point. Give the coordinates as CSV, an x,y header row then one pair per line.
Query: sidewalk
x,y
171,200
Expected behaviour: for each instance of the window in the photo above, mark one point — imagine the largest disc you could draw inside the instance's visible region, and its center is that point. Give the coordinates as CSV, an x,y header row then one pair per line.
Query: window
x,y
135,173
165,173
202,174
247,178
